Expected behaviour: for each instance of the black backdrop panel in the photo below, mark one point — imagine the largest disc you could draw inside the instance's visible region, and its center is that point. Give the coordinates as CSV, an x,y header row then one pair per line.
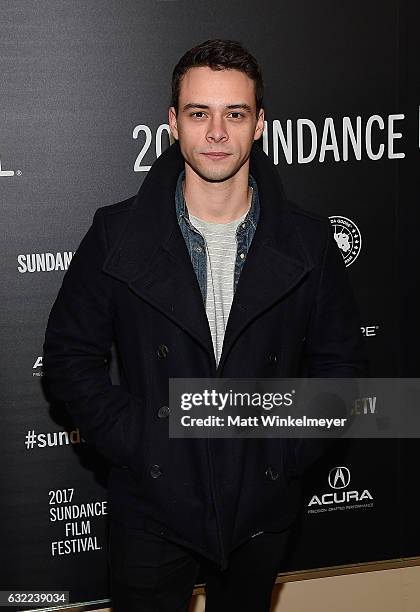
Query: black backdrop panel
x,y
85,87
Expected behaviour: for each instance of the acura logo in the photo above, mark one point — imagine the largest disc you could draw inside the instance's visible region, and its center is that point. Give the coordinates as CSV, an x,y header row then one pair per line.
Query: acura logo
x,y
339,477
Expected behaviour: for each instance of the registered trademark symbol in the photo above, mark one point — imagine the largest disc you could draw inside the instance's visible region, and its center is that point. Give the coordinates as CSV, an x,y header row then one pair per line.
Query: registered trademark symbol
x,y
18,172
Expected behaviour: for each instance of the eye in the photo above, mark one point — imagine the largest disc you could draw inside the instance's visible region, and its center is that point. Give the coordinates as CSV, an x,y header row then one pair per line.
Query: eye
x,y
196,113
238,115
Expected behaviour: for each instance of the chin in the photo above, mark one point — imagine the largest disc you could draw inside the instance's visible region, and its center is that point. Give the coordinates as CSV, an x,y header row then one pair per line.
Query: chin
x,y
215,175
217,178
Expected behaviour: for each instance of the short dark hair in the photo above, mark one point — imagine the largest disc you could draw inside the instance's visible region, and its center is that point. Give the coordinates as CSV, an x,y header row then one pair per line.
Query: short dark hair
x,y
219,54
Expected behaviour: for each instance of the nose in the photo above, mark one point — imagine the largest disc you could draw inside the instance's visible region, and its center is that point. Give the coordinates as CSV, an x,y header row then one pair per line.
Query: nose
x,y
217,131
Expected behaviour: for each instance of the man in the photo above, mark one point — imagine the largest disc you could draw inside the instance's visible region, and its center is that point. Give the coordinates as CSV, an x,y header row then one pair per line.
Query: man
x,y
207,272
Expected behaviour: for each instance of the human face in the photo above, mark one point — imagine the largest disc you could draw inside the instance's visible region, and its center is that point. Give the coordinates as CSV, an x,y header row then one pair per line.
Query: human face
x,y
216,122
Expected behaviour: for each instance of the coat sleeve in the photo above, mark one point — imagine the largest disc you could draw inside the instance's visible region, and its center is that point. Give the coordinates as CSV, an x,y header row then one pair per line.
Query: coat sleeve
x,y
78,339
334,347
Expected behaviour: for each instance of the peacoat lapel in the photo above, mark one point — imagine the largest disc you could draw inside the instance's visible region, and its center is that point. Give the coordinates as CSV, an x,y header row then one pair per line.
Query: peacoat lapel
x,y
152,258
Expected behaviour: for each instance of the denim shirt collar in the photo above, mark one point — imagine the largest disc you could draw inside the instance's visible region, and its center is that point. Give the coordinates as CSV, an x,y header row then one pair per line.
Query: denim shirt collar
x,y
252,215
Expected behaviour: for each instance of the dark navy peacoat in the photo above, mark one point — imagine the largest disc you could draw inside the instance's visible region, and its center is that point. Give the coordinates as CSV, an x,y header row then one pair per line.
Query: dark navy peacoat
x,y
131,282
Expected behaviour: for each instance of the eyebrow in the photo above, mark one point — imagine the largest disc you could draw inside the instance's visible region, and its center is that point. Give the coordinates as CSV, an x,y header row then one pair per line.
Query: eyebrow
x,y
242,106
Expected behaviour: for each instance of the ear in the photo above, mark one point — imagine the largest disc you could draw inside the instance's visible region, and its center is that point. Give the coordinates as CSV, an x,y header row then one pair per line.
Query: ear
x,y
173,125
259,128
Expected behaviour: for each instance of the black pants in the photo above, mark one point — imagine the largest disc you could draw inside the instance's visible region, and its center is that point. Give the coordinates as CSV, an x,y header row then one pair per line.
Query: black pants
x,y
151,574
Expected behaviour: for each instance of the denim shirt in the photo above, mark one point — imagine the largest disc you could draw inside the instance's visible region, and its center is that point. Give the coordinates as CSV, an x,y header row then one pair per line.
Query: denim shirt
x,y
195,240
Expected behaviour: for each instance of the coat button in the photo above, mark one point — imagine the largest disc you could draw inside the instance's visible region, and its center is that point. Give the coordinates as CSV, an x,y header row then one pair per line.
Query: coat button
x,y
155,471
271,473
272,358
163,412
162,351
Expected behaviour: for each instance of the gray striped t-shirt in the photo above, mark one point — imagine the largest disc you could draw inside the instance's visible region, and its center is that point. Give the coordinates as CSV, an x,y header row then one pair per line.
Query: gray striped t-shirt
x,y
221,246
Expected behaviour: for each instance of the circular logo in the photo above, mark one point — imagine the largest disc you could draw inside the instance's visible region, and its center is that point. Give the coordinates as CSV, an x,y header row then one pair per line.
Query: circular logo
x,y
348,238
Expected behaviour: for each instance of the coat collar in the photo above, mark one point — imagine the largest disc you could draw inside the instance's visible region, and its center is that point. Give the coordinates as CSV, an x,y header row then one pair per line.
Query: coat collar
x,y
152,258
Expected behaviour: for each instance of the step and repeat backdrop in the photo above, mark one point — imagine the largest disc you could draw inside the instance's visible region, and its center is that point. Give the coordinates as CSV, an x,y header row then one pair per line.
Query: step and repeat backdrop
x,y
85,90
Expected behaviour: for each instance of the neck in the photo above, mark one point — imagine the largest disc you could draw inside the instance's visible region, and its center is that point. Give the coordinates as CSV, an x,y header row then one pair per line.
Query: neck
x,y
217,202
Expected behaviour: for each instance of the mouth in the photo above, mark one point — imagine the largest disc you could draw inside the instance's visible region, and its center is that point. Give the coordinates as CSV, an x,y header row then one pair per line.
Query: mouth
x,y
216,155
